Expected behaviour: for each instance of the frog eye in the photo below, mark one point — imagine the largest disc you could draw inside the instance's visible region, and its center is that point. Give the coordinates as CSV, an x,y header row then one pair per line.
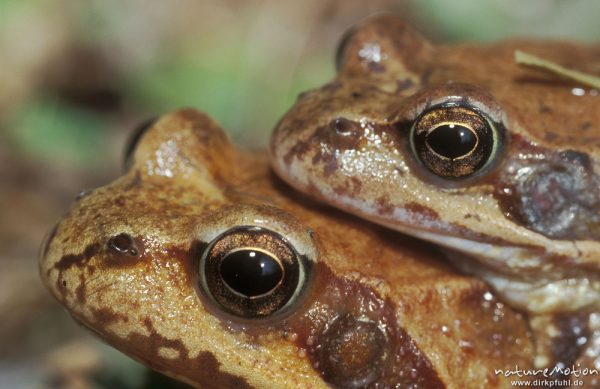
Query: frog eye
x,y
453,141
134,139
251,272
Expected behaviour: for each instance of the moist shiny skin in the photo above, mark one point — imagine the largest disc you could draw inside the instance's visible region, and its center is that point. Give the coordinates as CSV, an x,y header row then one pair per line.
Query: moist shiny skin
x,y
528,218
376,310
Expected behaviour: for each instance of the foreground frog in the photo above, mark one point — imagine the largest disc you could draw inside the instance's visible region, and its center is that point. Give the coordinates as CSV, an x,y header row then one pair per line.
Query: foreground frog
x,y
462,146
200,264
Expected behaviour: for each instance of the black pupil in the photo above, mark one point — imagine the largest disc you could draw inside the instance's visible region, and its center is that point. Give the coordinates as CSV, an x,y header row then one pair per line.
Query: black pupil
x,y
452,140
250,272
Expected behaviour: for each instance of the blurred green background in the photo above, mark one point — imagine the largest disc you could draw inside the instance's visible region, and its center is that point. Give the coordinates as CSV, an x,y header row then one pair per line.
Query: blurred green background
x,y
77,76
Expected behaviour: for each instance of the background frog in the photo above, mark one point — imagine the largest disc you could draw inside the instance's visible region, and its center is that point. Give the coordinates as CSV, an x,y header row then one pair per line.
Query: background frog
x,y
461,146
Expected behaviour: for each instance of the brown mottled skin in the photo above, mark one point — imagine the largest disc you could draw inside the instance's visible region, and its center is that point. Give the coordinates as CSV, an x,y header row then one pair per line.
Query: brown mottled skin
x,y
529,220
377,310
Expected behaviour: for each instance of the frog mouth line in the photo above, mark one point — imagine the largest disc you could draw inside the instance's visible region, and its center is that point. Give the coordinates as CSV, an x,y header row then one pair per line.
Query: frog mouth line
x,y
528,256
533,275
525,275
538,297
498,252
522,279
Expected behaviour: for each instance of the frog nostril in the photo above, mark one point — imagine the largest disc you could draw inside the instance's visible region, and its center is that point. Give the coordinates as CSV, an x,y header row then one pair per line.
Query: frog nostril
x,y
123,244
251,272
353,352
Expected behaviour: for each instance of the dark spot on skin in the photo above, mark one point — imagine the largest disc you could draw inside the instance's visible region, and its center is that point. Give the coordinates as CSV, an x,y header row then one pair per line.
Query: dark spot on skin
x,y
472,216
120,201
585,126
148,324
74,260
330,167
355,186
403,85
122,250
544,108
341,190
328,160
384,206
81,290
106,316
550,136
203,368
70,260
422,210
297,151
209,363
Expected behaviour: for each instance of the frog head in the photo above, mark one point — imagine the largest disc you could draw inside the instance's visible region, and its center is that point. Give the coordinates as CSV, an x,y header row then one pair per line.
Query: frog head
x,y
200,264
461,146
